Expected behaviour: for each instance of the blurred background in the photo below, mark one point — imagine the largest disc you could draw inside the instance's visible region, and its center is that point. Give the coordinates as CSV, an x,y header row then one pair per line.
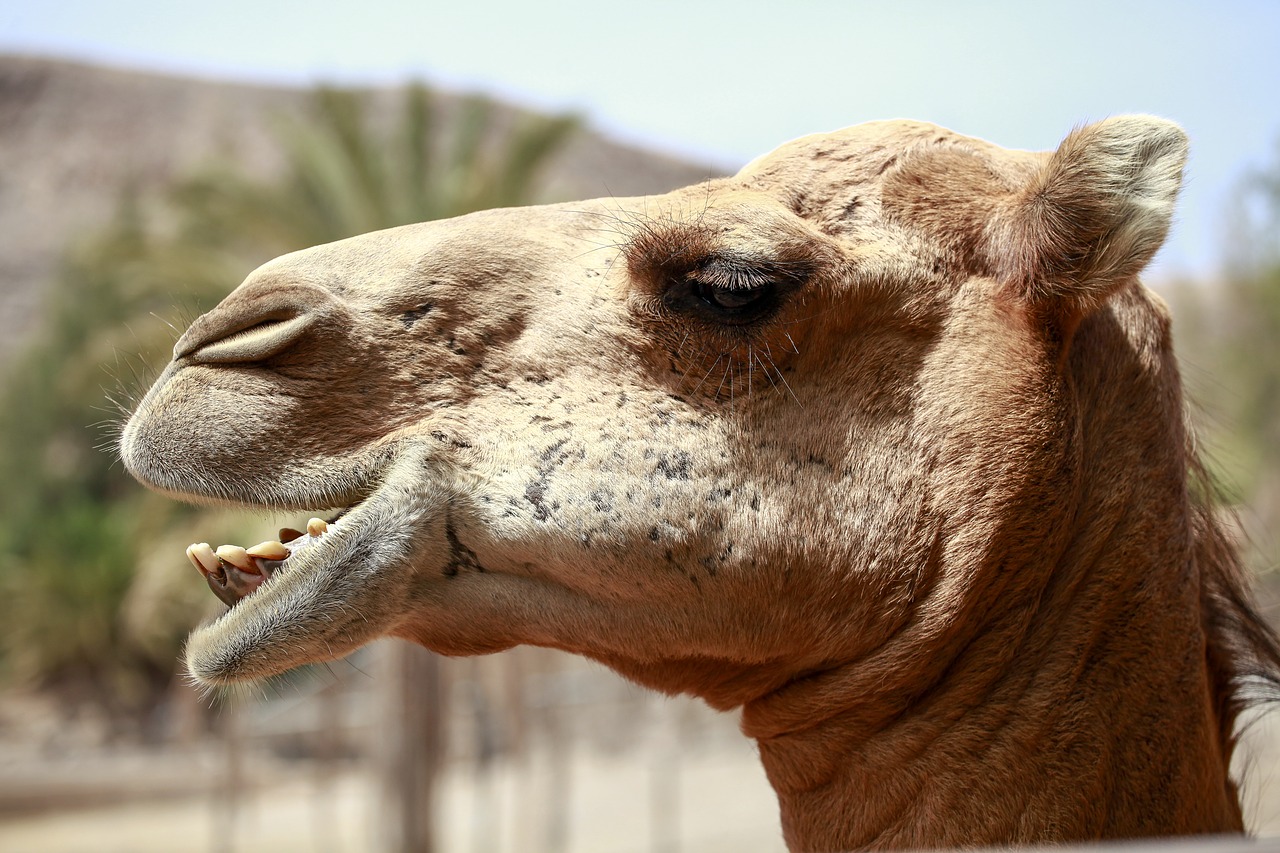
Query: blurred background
x,y
151,154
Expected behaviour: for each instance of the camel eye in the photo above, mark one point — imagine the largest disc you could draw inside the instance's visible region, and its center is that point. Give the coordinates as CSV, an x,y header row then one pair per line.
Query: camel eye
x,y
731,298
723,304
731,291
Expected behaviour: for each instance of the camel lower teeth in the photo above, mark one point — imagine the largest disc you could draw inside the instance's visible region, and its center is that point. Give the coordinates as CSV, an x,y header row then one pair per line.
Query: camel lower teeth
x,y
204,557
269,550
236,556
251,560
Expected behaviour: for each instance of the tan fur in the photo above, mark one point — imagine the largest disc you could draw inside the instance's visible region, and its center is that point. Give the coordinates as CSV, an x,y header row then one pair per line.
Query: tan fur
x,y
925,519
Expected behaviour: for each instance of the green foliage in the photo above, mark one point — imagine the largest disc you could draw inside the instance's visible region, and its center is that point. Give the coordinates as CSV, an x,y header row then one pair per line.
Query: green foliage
x,y
1230,337
1251,356
73,525
67,521
342,179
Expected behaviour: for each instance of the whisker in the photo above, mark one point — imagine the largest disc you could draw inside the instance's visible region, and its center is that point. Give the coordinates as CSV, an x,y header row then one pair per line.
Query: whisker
x,y
782,378
699,356
765,371
172,327
708,373
798,320
727,366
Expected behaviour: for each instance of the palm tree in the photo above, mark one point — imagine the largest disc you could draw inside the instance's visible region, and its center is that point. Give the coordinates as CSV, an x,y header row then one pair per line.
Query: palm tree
x,y
342,179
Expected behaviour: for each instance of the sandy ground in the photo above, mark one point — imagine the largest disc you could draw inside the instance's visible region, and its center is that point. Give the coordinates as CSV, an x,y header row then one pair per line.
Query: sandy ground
x,y
717,802
652,797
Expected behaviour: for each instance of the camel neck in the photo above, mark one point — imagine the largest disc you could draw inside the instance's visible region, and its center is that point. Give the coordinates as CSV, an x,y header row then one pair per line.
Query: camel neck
x,y
1055,681
1052,723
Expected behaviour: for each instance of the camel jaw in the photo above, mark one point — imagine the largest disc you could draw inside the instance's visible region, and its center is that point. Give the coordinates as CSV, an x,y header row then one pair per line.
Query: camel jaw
x,y
344,578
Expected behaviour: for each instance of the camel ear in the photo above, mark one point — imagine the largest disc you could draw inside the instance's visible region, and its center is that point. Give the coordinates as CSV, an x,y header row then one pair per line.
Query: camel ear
x,y
1094,215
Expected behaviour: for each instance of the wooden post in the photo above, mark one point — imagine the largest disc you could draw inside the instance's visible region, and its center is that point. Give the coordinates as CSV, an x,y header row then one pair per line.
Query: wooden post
x,y
410,746
326,748
227,799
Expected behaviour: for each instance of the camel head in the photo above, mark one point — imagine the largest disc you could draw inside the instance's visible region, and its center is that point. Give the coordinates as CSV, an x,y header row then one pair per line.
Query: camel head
x,y
879,439
717,438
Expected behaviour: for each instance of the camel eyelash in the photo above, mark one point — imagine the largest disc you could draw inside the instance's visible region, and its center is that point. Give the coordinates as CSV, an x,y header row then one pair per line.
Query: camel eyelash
x,y
691,276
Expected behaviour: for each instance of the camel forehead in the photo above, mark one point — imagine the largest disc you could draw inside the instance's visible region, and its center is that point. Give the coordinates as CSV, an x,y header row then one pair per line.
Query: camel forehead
x,y
856,142
865,153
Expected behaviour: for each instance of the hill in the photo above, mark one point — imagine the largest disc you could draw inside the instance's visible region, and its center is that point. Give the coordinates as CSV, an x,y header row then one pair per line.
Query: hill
x,y
73,136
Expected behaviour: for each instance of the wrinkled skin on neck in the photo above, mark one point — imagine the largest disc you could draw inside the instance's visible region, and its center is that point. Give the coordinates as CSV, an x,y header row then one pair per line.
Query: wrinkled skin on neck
x,y
879,439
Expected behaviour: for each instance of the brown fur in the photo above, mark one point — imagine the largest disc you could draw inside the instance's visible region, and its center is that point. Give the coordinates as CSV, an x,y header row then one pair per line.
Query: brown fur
x,y
880,440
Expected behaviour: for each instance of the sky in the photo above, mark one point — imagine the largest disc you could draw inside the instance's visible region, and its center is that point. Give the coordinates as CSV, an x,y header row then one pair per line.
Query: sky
x,y
722,81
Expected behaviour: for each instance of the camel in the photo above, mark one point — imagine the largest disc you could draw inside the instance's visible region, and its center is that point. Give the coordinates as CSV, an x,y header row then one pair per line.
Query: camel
x,y
880,441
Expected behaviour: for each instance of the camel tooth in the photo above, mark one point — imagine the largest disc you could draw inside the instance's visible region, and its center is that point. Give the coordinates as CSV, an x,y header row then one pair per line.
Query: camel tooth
x,y
206,557
191,555
317,526
288,534
236,556
268,550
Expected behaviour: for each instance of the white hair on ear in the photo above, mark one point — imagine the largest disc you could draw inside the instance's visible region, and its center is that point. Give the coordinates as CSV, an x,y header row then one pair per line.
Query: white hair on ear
x,y
1095,214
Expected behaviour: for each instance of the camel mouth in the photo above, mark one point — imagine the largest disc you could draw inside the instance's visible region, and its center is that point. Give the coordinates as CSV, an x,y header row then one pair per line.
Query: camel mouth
x,y
270,590
339,574
234,573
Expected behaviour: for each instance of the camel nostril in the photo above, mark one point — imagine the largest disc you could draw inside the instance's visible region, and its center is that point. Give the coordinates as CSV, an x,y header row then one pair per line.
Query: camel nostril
x,y
269,336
